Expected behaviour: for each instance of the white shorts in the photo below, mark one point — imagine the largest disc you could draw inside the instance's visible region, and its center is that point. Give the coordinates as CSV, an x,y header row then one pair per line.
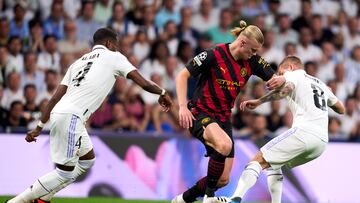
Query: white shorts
x,y
69,139
292,148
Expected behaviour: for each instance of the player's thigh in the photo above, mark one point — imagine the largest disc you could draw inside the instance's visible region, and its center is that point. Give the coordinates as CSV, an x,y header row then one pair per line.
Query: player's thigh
x,y
65,134
215,136
314,148
283,148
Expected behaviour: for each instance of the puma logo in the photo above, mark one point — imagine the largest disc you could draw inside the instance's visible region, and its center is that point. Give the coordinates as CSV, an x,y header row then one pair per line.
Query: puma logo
x,y
222,69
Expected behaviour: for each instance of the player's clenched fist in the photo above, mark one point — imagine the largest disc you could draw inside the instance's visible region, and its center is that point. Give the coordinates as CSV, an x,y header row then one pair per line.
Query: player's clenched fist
x,y
31,135
251,104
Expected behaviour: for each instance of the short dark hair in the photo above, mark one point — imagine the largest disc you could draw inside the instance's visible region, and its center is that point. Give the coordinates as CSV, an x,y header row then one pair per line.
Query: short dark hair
x,y
103,34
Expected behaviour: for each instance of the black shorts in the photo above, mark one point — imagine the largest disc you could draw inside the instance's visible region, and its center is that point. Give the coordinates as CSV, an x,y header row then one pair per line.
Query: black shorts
x,y
203,120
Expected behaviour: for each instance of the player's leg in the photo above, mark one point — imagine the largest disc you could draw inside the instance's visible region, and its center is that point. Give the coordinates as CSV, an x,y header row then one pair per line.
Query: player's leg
x,y
84,164
274,181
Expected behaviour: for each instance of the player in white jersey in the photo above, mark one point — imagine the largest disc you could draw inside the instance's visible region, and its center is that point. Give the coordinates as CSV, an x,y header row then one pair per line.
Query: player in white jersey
x,y
308,98
82,90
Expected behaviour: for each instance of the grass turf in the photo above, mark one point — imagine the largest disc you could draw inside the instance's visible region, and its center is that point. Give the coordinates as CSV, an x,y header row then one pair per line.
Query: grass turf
x,y
93,200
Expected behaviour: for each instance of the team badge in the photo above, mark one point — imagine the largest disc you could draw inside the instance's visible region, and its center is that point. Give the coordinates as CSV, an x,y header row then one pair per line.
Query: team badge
x,y
205,120
243,72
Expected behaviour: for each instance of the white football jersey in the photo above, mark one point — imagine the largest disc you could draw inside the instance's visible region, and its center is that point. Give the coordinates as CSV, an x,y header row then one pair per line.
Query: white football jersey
x,y
309,103
90,79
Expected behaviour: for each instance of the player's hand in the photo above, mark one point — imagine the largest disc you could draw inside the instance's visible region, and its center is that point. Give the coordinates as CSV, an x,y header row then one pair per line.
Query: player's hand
x,y
250,104
31,135
165,102
275,82
185,117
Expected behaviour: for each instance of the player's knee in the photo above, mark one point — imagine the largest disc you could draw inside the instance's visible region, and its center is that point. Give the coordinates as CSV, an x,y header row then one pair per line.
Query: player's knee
x,y
225,147
86,164
222,182
65,176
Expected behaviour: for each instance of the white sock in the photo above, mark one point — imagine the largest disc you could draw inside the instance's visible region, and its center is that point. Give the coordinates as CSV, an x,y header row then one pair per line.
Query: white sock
x,y
248,178
81,167
274,180
43,186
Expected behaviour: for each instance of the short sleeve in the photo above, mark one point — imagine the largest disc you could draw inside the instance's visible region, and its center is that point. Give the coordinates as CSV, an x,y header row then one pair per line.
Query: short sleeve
x,y
122,65
292,77
332,99
66,79
200,63
261,68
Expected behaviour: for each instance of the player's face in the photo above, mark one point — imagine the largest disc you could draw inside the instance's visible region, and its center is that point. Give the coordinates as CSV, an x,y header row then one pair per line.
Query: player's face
x,y
249,47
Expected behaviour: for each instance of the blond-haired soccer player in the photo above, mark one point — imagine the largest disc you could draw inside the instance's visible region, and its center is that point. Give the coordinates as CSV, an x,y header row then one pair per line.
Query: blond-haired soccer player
x,y
308,99
82,90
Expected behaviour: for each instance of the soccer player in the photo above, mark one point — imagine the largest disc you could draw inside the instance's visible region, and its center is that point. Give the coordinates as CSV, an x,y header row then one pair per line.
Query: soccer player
x,y
82,90
222,73
308,98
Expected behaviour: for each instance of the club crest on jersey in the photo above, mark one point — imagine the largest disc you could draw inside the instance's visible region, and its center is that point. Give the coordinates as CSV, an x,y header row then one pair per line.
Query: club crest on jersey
x,y
204,121
243,72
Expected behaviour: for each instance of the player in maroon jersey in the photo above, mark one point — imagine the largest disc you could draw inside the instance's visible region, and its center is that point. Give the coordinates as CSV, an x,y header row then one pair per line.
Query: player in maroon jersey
x,y
222,72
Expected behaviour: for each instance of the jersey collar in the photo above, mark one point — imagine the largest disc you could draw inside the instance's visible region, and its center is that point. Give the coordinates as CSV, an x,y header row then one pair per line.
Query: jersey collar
x,y
98,47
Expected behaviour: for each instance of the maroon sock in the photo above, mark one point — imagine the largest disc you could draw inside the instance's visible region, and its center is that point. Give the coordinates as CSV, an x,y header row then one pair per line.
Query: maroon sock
x,y
215,169
198,190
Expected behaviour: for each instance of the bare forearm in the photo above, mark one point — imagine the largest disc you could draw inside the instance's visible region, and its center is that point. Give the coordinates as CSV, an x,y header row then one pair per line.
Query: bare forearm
x,y
152,88
181,88
278,93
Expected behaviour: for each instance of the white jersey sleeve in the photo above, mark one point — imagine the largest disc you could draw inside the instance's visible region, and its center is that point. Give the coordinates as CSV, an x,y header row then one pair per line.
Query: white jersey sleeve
x,y
122,65
67,78
291,77
332,99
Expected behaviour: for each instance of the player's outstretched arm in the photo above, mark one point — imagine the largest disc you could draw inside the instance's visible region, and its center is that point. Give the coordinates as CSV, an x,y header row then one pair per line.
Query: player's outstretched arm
x,y
60,91
164,99
272,95
338,107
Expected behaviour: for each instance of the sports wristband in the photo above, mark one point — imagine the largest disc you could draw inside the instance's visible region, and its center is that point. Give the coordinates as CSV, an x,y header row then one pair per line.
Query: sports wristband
x,y
40,124
163,92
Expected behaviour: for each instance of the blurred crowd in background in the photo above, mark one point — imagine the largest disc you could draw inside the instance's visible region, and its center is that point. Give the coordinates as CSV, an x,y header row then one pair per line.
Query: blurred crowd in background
x,y
39,39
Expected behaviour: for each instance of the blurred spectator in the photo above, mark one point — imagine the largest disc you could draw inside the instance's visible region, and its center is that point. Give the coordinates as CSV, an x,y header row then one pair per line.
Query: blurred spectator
x,y
342,87
85,22
319,32
141,45
258,91
291,7
327,62
15,117
119,23
120,120
207,17
221,33
271,17
51,82
4,31
242,120
103,10
3,111
352,68
269,51
70,43
184,53
65,61
172,68
101,116
137,110
167,12
236,9
326,8
351,118
357,96
15,56
185,30
50,58
125,45
169,34
259,21
31,74
335,130
42,107
311,68
31,109
340,24
6,64
54,25
151,30
259,128
306,50
205,42
353,37
13,91
19,25
136,12
287,120
118,94
341,53
304,20
152,99
71,8
350,7
274,118
159,52
253,8
290,49
36,42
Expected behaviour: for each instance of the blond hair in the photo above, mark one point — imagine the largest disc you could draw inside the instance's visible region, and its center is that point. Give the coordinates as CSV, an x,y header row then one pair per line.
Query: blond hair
x,y
293,60
251,32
